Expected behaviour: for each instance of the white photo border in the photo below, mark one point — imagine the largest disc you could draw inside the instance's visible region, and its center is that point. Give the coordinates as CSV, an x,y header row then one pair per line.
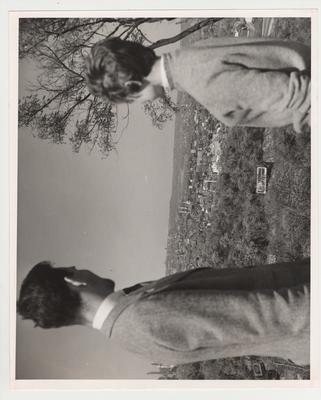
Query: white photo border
x,y
59,10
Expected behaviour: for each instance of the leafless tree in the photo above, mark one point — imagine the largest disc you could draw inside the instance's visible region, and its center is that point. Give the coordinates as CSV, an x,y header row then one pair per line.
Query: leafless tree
x,y
59,107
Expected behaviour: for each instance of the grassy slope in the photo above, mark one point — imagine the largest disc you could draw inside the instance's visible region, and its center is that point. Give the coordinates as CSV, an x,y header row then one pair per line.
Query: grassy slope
x,y
245,228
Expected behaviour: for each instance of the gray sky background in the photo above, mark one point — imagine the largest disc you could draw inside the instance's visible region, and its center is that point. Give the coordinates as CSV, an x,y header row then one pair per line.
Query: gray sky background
x,y
108,215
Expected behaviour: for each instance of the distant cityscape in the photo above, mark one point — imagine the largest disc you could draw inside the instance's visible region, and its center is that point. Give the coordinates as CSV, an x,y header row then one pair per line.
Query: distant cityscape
x,y
199,195
249,367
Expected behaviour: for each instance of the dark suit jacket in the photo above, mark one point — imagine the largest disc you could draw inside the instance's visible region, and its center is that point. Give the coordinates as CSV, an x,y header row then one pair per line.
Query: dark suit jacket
x,y
205,314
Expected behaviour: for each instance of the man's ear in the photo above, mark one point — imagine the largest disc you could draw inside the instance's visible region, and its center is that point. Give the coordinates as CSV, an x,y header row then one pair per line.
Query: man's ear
x,y
74,282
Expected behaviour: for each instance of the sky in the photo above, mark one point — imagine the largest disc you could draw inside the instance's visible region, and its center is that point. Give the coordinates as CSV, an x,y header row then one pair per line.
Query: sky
x,y
108,215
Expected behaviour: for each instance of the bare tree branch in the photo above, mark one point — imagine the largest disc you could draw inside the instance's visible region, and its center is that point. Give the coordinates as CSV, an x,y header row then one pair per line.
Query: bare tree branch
x,y
113,32
62,63
76,104
97,21
181,35
144,36
122,21
61,93
134,26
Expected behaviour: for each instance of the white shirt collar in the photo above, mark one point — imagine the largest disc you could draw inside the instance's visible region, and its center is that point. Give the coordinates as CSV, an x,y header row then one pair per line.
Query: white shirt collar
x,y
165,82
105,308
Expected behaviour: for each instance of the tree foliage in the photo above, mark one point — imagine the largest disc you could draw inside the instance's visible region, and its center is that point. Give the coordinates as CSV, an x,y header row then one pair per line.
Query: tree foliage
x,y
160,110
58,106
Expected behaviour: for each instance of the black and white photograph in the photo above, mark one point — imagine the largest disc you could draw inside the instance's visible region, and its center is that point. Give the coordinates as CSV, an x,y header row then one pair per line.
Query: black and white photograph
x,y
163,197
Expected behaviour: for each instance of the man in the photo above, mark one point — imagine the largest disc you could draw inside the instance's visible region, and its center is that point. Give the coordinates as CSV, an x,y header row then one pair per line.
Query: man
x,y
190,316
241,81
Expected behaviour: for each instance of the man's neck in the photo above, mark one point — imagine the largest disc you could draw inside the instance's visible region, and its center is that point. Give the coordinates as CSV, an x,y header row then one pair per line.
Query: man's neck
x,y
91,303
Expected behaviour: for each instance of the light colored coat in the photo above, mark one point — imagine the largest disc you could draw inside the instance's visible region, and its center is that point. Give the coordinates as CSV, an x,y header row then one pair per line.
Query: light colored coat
x,y
246,81
207,314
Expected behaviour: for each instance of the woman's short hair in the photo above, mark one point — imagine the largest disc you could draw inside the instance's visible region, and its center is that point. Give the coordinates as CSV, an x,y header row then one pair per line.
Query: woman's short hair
x,y
113,62
47,299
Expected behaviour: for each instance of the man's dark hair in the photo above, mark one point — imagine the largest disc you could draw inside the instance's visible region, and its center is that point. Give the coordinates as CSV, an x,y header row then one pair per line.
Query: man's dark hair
x,y
47,299
113,62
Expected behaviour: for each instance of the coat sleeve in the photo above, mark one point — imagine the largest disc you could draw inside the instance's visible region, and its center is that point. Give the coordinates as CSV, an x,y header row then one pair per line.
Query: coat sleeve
x,y
265,90
219,319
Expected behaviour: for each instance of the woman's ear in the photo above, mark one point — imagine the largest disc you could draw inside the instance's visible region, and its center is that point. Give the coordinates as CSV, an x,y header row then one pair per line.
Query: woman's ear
x,y
74,282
